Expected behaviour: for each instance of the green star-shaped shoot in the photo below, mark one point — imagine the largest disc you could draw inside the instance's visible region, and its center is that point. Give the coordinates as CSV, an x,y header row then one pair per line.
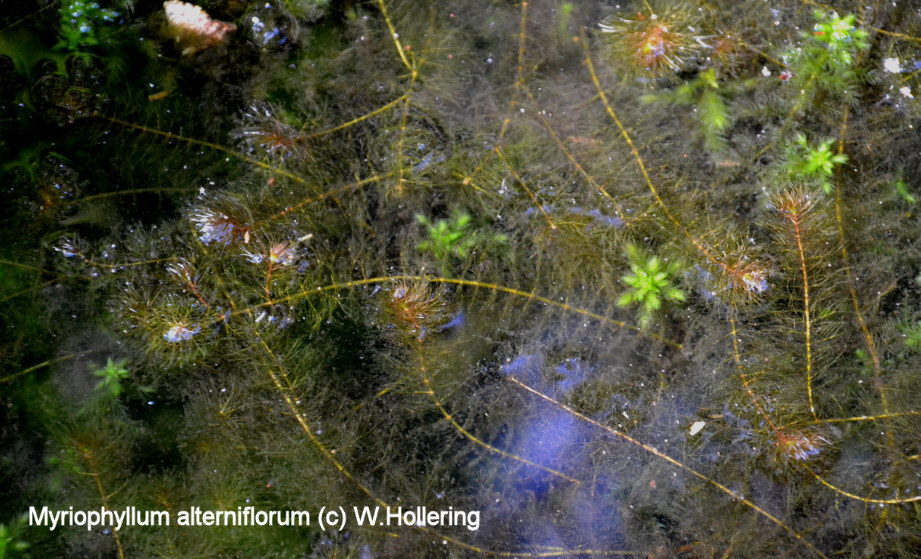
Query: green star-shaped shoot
x,y
112,375
840,35
451,238
817,162
650,284
447,237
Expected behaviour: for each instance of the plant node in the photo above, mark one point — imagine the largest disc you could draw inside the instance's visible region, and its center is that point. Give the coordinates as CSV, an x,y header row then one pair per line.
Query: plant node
x,y
652,43
410,307
799,445
266,132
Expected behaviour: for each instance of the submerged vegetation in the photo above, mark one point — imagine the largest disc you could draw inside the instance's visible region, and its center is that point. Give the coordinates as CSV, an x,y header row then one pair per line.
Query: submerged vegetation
x,y
650,284
814,163
629,279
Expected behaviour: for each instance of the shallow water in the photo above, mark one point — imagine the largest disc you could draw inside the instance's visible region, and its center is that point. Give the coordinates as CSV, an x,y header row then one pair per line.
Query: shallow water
x,y
620,279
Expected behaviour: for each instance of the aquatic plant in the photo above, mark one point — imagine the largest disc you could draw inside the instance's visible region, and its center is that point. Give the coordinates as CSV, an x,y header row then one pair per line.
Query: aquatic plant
x,y
80,20
10,544
826,56
814,162
242,222
266,132
702,93
112,375
447,237
650,284
798,445
840,38
412,309
904,193
453,238
912,335
653,42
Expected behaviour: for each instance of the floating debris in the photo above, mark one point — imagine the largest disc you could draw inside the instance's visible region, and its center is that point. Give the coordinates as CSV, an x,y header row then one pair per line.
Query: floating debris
x,y
192,28
179,332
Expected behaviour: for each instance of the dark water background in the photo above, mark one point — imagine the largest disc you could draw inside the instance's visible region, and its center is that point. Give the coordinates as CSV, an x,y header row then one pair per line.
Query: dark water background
x,y
371,254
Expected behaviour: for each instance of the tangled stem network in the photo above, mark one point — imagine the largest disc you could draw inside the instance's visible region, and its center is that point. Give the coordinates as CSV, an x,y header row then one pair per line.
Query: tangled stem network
x,y
638,274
